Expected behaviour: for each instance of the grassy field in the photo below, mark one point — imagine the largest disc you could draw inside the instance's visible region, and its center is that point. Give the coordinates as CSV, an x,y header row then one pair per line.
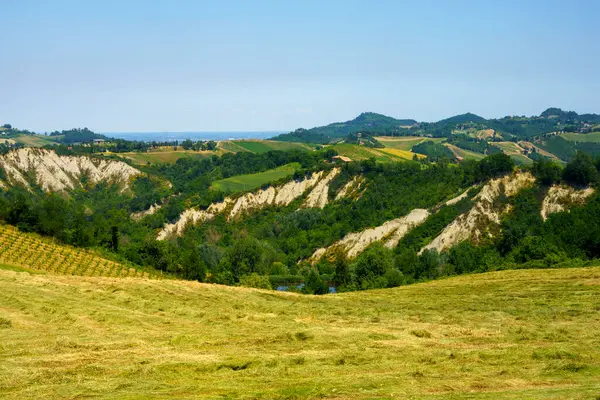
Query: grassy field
x,y
405,142
166,156
31,252
526,334
582,137
465,154
261,146
357,153
252,181
407,155
34,140
514,151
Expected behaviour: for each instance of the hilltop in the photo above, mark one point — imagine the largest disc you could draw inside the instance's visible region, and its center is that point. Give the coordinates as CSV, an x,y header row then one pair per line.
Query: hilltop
x,y
554,133
366,122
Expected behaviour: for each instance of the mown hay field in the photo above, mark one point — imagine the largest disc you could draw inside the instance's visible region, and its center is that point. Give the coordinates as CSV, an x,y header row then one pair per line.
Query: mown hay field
x,y
523,334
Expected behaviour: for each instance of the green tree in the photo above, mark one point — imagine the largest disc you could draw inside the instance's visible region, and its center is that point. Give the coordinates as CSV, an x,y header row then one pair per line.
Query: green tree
x,y
314,284
581,171
255,280
546,171
342,276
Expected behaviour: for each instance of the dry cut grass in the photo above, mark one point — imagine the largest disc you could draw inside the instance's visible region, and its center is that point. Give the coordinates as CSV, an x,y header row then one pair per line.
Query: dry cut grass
x,y
528,334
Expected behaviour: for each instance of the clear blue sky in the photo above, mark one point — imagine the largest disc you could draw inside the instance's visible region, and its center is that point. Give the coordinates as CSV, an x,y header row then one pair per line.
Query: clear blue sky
x,y
279,65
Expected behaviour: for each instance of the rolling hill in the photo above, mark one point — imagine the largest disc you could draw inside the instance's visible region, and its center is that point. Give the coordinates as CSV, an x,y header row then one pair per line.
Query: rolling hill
x,y
365,123
509,334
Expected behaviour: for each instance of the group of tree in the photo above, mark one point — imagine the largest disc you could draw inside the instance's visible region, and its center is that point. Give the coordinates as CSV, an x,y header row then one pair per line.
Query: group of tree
x,y
273,242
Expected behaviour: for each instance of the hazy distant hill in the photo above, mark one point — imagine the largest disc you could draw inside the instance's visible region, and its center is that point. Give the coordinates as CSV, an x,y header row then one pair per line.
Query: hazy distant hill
x,y
506,128
367,122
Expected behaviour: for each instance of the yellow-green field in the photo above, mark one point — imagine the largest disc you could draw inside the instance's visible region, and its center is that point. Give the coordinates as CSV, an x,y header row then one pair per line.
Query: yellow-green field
x,y
34,140
405,142
407,155
582,137
357,153
240,183
31,252
261,146
527,334
514,151
168,156
463,153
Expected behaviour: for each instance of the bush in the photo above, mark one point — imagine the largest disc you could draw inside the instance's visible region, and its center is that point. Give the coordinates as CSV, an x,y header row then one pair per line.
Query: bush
x,y
494,166
581,171
546,171
255,280
314,284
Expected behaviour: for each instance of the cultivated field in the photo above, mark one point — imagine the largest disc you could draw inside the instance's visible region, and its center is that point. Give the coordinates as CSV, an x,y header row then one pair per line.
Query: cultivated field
x,y
582,137
357,153
168,156
34,140
526,334
405,142
30,252
240,183
463,153
261,146
514,151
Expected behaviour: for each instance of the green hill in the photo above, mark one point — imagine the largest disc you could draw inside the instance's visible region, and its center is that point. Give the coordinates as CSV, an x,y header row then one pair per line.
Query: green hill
x,y
517,127
368,123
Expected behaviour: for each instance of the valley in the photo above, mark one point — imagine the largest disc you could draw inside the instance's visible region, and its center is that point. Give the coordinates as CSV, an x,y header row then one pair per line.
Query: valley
x,y
448,256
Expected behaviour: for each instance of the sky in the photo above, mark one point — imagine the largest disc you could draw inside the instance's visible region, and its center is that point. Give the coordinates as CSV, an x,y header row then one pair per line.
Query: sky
x,y
135,66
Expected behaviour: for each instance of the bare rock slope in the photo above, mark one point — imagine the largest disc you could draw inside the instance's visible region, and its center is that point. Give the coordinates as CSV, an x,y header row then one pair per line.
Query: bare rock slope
x,y
390,232
486,211
57,173
560,197
247,203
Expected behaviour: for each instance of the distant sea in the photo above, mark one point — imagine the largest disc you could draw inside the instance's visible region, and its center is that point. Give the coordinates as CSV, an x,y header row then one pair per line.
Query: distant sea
x,y
171,136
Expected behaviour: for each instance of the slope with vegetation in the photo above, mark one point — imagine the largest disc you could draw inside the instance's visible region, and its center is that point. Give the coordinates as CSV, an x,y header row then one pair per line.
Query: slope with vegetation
x,y
33,253
474,135
510,334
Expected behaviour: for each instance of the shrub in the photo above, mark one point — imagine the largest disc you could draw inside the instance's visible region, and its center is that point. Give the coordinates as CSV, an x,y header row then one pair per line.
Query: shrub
x,y
255,280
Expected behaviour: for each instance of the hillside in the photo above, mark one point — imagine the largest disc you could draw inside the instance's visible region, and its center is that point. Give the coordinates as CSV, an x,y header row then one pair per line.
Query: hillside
x,y
365,123
511,334
30,252
471,133
53,172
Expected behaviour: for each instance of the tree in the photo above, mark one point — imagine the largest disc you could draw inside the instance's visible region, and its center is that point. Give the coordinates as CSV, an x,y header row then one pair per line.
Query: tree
x,y
494,166
114,230
314,284
255,280
245,257
546,171
581,171
341,276
373,264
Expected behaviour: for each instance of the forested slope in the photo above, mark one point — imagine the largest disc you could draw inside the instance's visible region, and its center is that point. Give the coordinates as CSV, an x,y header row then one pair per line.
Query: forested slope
x,y
348,225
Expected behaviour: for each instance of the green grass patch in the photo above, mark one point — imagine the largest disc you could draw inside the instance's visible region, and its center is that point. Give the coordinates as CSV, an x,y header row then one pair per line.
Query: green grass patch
x,y
247,182
593,137
34,140
465,154
263,146
405,142
165,157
